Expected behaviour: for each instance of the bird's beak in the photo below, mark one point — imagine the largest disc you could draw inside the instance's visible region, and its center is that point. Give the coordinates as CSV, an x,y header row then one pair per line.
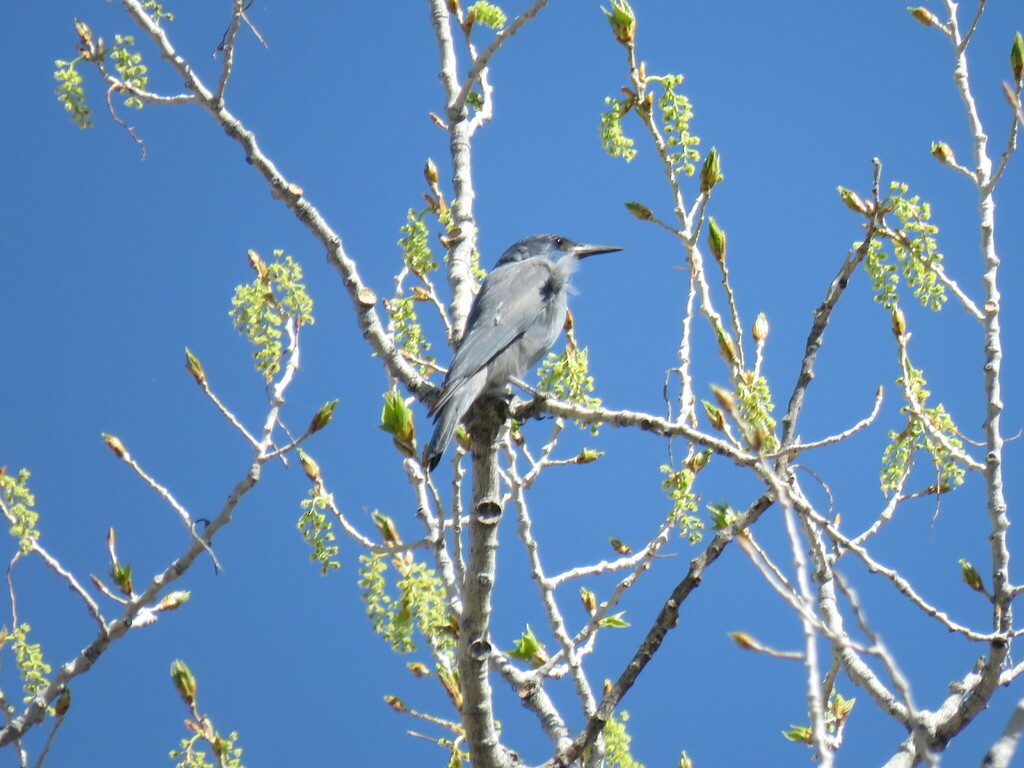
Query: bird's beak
x,y
582,251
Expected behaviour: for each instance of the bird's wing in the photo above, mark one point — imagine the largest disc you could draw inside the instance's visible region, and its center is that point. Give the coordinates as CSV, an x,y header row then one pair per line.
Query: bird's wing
x,y
509,302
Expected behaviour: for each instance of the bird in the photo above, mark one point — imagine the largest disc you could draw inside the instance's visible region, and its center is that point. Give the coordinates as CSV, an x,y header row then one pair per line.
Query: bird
x,y
514,320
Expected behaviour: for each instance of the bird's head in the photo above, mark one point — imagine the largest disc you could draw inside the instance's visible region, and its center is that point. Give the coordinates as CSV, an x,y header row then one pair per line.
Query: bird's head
x,y
552,248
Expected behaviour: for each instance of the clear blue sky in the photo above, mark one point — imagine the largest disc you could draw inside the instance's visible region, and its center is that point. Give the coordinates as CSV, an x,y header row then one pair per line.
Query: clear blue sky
x,y
111,266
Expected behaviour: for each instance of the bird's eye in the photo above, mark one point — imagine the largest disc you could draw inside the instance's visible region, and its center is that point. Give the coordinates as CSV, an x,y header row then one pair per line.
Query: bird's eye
x,y
559,242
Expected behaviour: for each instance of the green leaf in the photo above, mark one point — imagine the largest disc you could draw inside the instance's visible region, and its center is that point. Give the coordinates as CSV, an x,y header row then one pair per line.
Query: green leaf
x,y
615,621
528,648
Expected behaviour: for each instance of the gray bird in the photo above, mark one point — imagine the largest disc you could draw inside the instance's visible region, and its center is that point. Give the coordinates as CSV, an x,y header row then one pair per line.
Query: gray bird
x,y
515,318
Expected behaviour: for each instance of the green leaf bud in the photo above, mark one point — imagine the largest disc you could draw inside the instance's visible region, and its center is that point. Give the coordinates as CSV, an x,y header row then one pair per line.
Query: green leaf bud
x,y
716,240
589,600
899,322
323,416
851,200
623,21
640,211
971,577
193,366
309,466
1017,57
711,172
184,681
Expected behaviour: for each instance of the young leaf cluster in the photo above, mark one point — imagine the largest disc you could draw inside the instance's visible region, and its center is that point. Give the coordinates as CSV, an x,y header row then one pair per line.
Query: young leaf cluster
x,y
898,455
415,244
676,113
419,604
156,11
129,66
567,377
915,249
487,14
187,756
71,93
754,402
263,306
617,741
613,139
29,659
677,485
20,505
315,527
408,332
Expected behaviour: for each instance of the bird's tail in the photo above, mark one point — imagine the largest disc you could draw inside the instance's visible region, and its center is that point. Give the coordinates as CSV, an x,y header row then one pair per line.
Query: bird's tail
x,y
445,422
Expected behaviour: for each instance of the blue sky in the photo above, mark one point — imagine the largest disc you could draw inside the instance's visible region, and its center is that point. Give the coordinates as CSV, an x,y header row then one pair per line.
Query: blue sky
x,y
111,266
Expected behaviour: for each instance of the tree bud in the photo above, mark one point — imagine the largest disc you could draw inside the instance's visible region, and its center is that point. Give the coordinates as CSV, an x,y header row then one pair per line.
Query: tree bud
x,y
942,152
971,577
430,172
925,17
184,681
323,417
623,22
760,329
716,240
1017,57
115,445
899,322
640,210
193,366
309,466
589,600
711,171
851,200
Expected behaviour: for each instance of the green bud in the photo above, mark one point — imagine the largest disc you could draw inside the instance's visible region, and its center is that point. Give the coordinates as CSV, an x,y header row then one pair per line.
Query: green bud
x,y
395,703
722,516
800,734
714,415
716,240
623,21
711,171
396,420
122,576
323,417
589,600
640,210
971,577
193,366
184,681
685,761
63,703
851,200
309,466
1017,57
899,322
588,456
942,152
386,526
173,600
430,172
698,461
620,546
